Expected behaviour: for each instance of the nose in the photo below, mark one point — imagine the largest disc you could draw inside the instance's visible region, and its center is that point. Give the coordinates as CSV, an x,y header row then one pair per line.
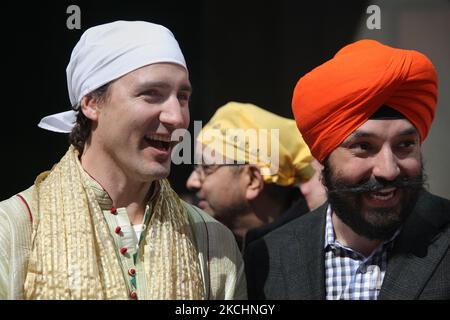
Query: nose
x,y
386,164
193,183
174,114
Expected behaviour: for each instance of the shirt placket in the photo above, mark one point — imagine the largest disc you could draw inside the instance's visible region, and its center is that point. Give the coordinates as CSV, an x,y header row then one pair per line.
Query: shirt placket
x,y
370,274
126,246
140,279
353,261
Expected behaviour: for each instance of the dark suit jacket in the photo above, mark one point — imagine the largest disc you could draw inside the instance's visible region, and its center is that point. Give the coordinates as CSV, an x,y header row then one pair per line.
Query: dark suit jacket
x,y
299,208
288,263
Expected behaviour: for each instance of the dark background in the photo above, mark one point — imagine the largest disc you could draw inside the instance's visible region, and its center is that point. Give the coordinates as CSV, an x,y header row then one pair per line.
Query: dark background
x,y
248,51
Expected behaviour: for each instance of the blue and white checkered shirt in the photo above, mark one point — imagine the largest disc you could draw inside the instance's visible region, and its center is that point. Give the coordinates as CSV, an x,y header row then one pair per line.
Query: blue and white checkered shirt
x,y
348,274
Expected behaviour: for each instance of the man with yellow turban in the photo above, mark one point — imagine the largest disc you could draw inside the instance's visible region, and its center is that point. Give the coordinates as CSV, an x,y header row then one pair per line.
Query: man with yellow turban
x,y
251,164
364,114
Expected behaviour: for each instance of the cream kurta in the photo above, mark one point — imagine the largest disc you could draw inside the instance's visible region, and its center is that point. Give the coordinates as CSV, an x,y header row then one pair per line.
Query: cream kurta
x,y
219,257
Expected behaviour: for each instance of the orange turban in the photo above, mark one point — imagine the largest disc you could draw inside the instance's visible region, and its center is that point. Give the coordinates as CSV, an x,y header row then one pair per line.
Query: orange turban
x,y
336,98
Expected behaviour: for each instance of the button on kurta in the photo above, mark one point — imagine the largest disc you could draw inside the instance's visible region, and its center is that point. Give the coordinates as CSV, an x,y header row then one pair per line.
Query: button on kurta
x,y
123,250
117,230
132,272
133,295
113,210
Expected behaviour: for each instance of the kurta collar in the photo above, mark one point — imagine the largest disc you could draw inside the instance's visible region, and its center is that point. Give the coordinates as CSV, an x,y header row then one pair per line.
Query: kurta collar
x,y
104,200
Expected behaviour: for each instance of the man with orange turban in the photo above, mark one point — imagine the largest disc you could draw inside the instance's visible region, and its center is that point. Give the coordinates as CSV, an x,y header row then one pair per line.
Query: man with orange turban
x,y
364,115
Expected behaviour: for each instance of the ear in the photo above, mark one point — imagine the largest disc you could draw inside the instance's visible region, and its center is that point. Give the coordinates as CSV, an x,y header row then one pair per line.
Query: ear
x,y
254,181
90,107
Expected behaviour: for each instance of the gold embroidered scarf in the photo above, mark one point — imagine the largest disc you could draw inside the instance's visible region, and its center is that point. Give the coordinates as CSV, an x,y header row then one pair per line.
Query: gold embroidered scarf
x,y
73,254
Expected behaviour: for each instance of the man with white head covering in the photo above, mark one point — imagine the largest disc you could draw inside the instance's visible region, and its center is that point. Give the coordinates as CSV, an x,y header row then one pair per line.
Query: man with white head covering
x,y
104,223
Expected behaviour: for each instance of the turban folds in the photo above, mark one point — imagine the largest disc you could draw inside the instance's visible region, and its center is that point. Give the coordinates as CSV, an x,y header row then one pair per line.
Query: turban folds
x,y
107,52
242,132
336,98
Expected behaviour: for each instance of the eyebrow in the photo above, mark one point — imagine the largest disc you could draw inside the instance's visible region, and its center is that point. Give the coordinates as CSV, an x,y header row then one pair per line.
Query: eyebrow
x,y
364,134
162,84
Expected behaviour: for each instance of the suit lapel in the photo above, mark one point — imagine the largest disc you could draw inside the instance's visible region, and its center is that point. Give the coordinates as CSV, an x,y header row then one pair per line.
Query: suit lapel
x,y
302,257
417,251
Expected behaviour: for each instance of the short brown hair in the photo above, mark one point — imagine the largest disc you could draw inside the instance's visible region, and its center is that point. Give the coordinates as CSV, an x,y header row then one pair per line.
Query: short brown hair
x,y
82,129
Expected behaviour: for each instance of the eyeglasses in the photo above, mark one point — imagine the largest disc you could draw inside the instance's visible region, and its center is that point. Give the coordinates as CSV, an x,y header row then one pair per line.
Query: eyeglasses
x,y
204,170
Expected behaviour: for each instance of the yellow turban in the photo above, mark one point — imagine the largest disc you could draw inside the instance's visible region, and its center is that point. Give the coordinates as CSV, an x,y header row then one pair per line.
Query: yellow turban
x,y
245,133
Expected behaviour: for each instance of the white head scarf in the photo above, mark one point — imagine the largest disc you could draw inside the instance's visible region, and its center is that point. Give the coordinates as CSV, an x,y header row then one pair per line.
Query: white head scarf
x,y
107,52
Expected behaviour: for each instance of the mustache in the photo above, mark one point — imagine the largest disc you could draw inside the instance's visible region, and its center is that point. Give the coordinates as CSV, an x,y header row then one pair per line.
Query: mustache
x,y
376,184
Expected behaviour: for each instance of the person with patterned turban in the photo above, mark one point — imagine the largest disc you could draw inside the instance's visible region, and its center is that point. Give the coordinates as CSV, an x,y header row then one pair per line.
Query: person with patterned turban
x,y
104,222
252,163
380,235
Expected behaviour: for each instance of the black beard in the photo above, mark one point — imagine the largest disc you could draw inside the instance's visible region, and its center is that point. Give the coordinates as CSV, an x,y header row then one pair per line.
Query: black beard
x,y
379,223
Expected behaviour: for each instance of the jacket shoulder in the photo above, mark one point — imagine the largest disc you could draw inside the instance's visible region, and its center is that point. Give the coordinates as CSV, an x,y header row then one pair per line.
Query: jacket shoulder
x,y
15,244
220,255
18,207
201,220
298,226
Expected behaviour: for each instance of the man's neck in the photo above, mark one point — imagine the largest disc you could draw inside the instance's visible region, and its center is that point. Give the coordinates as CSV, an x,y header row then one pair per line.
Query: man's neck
x,y
123,191
347,237
267,208
261,211
245,222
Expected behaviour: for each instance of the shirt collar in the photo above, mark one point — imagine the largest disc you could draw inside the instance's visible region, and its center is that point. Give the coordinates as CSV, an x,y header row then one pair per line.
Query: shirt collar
x,y
103,198
329,229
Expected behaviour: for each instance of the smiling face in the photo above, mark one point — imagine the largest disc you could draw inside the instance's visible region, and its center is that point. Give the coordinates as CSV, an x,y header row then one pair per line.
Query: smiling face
x,y
133,126
374,176
220,190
